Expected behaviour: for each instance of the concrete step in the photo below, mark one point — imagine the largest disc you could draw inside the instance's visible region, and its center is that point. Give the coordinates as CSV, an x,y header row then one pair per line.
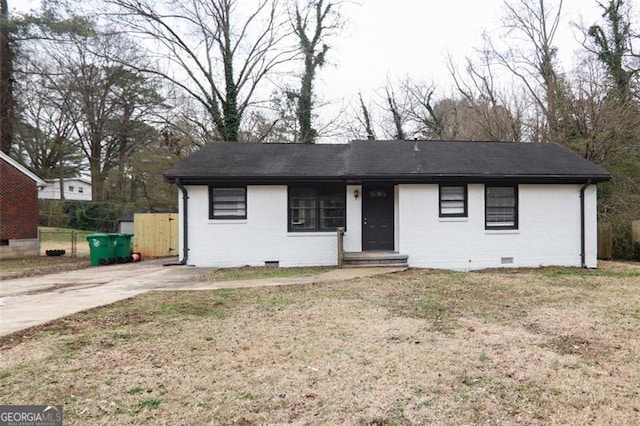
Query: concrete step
x,y
376,265
375,258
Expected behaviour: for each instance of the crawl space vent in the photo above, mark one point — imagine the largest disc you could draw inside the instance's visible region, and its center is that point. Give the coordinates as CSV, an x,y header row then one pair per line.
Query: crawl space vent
x,y
273,263
506,260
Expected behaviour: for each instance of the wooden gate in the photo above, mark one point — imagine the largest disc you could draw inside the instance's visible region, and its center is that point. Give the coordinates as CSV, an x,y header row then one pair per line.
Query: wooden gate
x,y
155,234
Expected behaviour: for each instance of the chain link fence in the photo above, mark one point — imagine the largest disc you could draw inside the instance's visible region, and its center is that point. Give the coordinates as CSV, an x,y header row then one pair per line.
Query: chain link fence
x,y
57,241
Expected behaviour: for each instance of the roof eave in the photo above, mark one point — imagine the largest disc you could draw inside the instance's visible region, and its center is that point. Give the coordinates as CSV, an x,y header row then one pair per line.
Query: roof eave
x,y
40,183
262,180
481,178
398,178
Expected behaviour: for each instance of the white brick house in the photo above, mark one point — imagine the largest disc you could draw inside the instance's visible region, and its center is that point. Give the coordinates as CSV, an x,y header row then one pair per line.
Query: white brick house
x,y
454,205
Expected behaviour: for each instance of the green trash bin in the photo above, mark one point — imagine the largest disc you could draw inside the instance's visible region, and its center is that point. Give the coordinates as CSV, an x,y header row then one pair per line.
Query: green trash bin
x,y
100,249
122,247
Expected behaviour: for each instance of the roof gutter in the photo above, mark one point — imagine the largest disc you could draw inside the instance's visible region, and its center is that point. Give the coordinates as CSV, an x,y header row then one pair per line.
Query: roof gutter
x,y
185,226
399,178
583,255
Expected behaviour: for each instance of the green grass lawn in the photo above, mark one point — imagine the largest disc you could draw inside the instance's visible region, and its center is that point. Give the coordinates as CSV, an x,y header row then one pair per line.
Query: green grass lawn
x,y
543,346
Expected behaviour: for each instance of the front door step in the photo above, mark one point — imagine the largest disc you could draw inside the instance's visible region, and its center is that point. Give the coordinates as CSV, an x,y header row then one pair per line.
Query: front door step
x,y
375,258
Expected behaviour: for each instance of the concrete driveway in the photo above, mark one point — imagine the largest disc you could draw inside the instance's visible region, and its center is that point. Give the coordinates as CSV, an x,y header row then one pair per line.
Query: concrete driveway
x,y
25,302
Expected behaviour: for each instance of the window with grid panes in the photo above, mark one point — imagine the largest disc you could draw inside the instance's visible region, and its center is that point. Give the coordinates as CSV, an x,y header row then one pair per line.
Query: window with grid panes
x,y
228,203
453,201
316,208
501,207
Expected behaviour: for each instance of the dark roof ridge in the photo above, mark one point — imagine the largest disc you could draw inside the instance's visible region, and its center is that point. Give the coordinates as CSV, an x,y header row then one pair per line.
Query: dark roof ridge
x,y
366,159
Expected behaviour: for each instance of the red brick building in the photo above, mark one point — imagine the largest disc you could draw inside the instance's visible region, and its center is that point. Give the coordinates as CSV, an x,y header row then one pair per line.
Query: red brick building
x,y
18,209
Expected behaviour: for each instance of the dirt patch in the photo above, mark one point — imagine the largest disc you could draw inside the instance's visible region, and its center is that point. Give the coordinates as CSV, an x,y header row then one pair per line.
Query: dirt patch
x,y
416,347
32,266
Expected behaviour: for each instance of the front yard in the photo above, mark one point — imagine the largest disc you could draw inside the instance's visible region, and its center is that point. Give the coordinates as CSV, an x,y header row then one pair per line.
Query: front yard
x,y
40,265
549,346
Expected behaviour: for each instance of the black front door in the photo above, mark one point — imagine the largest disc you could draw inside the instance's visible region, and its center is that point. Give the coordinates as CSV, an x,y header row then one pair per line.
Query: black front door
x,y
377,218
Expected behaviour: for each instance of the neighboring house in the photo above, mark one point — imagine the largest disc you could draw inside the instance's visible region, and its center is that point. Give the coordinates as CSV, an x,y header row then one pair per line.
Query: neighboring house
x,y
18,209
78,188
443,204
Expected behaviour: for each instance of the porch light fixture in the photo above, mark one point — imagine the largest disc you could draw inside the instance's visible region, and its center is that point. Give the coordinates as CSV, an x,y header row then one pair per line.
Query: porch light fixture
x,y
356,194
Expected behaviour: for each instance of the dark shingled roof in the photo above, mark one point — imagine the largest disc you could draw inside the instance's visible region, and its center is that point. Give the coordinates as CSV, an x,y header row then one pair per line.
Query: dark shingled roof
x,y
399,161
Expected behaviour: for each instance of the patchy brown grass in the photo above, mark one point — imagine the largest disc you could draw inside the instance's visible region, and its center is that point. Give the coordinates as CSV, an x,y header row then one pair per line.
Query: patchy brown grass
x,y
549,346
32,266
258,272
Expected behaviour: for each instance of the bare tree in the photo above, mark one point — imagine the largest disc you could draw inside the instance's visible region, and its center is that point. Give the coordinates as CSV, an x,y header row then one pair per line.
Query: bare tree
x,y
44,131
420,111
495,114
20,39
312,25
532,59
106,102
397,114
366,120
214,53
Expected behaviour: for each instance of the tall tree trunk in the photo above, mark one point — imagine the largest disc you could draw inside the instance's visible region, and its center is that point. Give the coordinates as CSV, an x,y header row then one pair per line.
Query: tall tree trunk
x,y
97,173
61,170
230,103
314,56
395,114
6,81
307,132
123,148
367,120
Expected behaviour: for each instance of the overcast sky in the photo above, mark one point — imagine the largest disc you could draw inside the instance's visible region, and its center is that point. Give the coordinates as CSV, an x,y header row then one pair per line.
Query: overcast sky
x,y
387,40
390,39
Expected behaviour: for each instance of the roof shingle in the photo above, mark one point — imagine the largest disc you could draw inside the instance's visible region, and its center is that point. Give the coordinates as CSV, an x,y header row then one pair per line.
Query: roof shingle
x,y
393,160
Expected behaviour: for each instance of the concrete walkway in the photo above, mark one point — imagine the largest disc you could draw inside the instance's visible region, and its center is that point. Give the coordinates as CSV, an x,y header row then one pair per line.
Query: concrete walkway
x,y
26,302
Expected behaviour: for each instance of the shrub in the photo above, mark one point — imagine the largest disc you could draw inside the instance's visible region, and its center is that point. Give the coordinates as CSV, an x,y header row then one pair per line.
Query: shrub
x,y
101,216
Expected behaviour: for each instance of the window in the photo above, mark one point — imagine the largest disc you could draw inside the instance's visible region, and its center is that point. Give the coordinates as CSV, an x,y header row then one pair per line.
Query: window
x,y
70,188
453,201
228,203
316,208
80,189
501,207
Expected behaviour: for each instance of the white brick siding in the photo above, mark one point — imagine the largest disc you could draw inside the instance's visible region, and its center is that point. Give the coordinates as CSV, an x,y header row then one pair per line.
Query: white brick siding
x,y
548,229
548,234
259,238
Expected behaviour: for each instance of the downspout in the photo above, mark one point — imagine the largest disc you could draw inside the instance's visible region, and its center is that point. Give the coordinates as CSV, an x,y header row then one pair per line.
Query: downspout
x,y
583,255
185,226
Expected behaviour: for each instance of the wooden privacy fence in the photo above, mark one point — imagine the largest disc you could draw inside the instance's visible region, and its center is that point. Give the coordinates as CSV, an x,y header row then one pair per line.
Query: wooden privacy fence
x,y
155,234
635,231
605,241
